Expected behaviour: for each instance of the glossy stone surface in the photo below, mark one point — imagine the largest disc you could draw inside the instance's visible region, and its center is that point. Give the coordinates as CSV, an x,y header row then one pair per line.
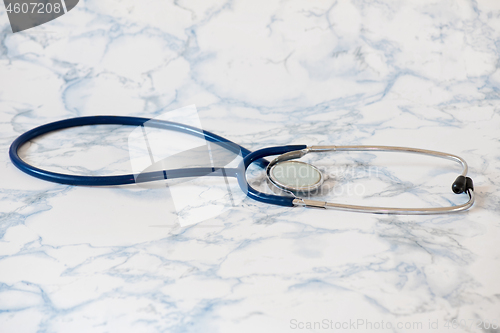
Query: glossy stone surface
x,y
197,257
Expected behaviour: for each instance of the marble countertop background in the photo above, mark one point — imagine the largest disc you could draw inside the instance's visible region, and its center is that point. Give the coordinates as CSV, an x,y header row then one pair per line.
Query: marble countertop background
x,y
261,73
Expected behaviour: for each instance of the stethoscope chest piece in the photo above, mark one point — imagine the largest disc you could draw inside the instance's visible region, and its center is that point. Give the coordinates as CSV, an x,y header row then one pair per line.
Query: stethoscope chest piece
x,y
295,176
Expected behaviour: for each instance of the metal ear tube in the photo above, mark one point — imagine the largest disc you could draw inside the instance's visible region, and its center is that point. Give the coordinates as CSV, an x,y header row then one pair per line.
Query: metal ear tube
x,y
462,183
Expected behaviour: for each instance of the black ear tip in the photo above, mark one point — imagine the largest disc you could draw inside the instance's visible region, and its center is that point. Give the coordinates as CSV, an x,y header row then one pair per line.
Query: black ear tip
x,y
469,185
459,186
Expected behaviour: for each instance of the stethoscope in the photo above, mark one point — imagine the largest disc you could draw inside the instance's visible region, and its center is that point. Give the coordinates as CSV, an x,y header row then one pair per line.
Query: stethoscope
x,y
283,172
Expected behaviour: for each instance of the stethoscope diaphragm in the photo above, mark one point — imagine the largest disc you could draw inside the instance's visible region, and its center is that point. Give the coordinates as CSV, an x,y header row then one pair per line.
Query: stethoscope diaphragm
x,y
295,176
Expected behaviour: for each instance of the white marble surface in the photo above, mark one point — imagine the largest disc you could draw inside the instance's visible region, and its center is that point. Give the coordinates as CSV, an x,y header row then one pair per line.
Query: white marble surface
x,y
421,74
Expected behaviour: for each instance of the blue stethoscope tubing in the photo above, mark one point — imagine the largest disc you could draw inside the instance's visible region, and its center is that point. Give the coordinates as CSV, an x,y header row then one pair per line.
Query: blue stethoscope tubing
x,y
462,184
239,172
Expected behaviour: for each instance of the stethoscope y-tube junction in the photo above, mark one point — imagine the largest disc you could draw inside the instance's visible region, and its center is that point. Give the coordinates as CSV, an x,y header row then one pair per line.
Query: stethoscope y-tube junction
x,y
462,184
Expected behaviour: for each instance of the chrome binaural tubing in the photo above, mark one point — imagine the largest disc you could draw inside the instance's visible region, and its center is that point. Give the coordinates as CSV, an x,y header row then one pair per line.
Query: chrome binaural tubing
x,y
387,210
